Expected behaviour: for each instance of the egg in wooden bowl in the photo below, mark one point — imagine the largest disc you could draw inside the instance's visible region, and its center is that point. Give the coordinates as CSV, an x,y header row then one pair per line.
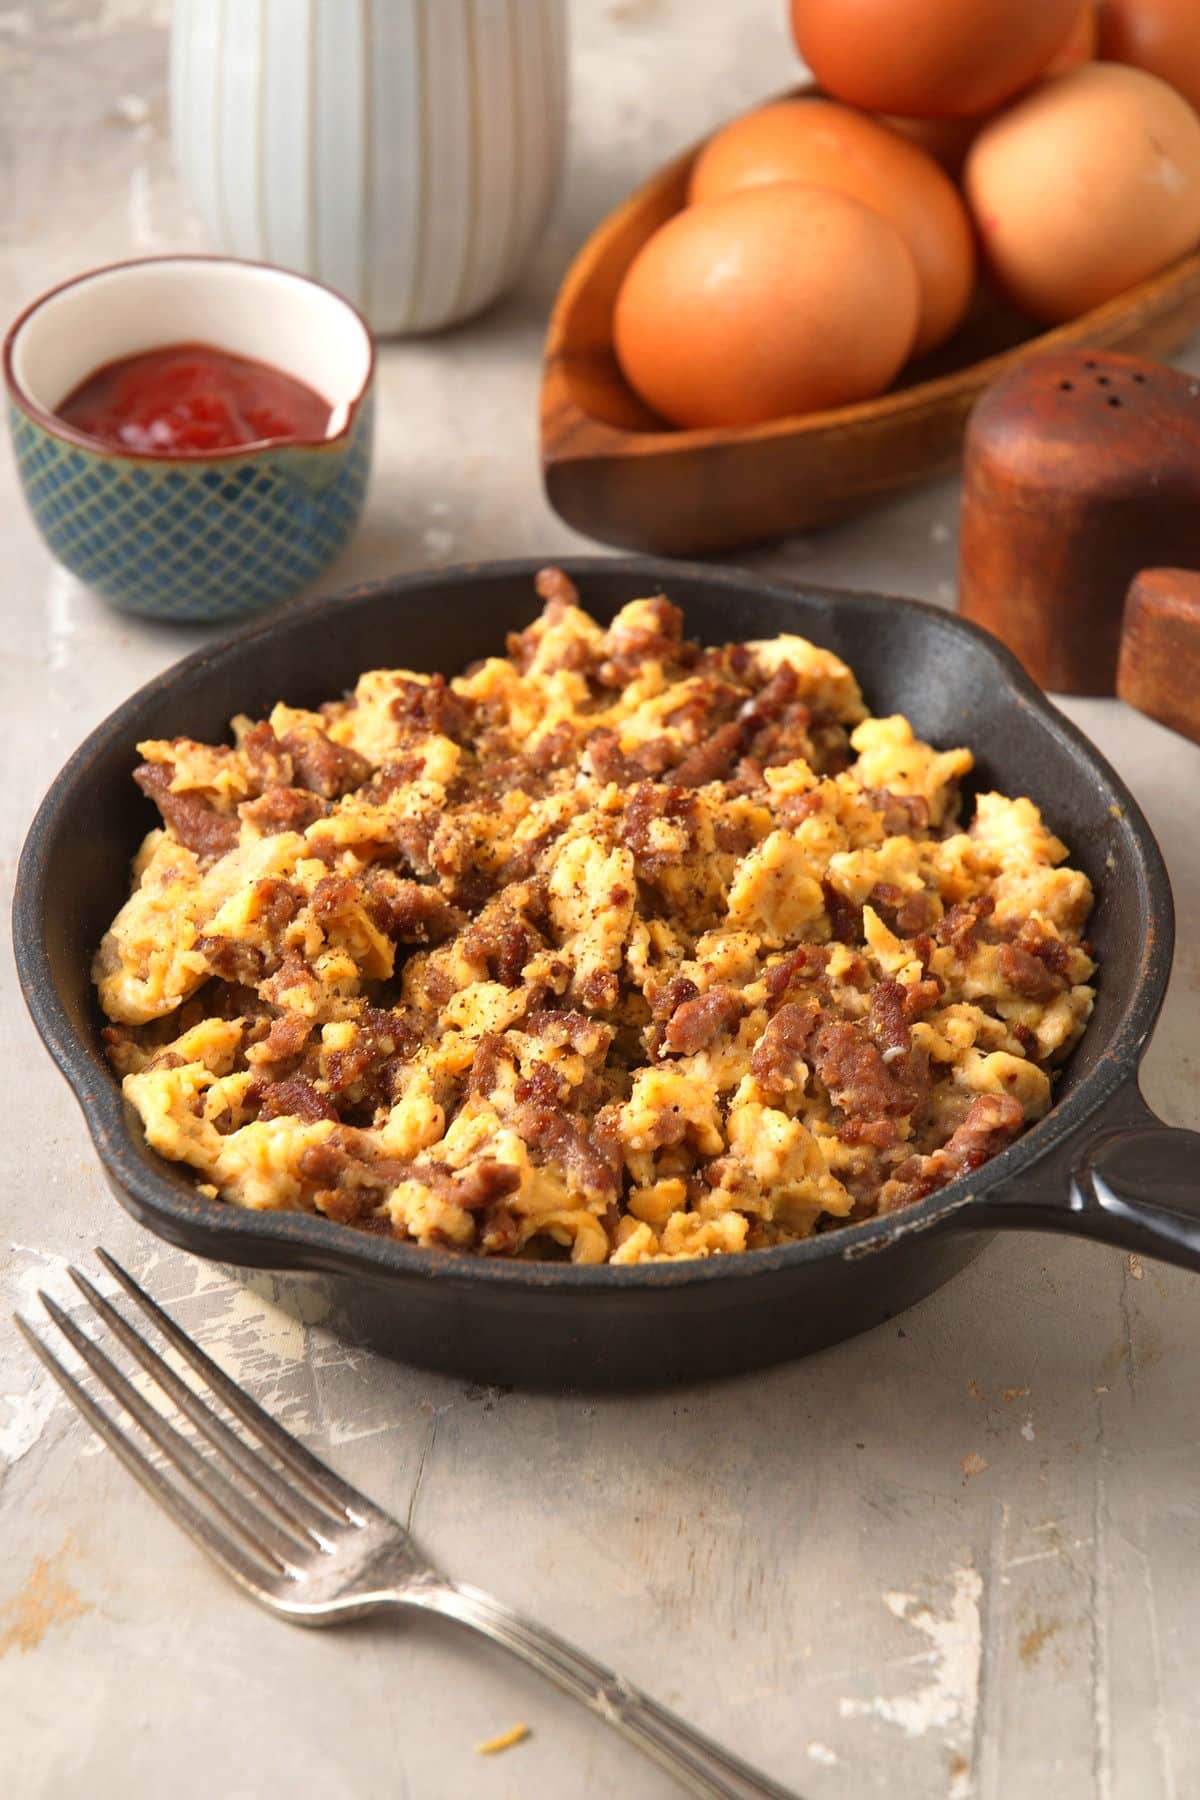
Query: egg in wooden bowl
x,y
767,301
837,148
1133,140
933,59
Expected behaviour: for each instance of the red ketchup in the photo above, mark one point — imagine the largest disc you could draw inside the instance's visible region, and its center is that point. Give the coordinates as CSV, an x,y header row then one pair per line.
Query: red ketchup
x,y
191,398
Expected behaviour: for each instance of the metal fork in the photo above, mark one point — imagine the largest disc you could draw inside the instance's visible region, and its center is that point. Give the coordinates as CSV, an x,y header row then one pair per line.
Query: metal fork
x,y
311,1548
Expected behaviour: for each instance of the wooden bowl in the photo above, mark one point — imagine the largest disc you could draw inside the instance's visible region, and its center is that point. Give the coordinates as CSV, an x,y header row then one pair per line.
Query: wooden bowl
x,y
616,471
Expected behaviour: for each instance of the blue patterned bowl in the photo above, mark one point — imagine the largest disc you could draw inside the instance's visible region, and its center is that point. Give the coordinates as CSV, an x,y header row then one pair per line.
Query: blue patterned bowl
x,y
214,534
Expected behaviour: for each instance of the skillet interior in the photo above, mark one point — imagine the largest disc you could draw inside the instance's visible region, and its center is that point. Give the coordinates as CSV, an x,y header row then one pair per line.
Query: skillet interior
x,y
533,1321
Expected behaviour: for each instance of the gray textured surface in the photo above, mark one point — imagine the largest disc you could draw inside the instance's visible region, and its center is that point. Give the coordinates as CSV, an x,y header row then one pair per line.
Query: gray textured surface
x,y
796,1559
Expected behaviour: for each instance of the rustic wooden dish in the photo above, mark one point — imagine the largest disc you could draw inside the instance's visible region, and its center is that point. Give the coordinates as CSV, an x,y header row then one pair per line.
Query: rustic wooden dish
x,y
614,470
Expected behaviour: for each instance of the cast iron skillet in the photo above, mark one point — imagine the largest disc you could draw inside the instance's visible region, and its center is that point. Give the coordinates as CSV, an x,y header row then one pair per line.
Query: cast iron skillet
x,y
1100,1164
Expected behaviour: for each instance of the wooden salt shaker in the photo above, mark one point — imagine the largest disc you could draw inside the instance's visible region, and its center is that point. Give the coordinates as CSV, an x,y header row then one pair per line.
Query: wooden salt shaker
x,y
1081,469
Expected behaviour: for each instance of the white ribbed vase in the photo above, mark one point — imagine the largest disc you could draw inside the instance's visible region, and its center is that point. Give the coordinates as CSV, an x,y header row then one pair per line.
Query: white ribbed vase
x,y
406,152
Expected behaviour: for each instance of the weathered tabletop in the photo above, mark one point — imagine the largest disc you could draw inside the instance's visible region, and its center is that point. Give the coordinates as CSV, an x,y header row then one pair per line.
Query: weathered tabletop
x,y
797,1559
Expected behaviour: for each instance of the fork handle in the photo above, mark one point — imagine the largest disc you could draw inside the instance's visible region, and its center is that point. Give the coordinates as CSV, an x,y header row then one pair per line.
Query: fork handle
x,y
701,1766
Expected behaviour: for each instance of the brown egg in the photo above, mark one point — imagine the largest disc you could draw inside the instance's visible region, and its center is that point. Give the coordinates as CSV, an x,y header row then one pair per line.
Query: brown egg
x,y
827,145
929,58
1161,36
1089,184
764,303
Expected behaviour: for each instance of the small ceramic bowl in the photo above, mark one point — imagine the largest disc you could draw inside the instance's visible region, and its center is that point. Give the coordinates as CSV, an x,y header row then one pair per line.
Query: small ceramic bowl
x,y
215,534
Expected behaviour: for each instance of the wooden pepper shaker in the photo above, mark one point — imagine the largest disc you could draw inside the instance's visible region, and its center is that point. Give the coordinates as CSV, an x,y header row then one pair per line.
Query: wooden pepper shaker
x,y
1159,667
1081,469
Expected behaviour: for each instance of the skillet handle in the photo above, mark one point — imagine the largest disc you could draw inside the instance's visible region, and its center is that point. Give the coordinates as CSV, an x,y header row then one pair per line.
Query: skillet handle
x,y
1135,1183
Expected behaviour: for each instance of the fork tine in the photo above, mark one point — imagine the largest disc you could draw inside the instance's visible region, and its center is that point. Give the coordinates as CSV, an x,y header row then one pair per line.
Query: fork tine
x,y
224,1550
296,1509
276,1546
328,1486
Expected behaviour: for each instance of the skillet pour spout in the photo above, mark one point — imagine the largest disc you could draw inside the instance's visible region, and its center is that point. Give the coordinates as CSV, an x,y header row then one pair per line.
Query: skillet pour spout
x,y
1099,1165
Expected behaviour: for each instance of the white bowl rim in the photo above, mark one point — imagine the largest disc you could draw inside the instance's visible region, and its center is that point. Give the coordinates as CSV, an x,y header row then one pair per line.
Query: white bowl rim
x,y
58,427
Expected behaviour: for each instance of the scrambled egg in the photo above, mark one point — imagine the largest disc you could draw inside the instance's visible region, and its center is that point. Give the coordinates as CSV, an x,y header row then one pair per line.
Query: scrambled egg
x,y
612,948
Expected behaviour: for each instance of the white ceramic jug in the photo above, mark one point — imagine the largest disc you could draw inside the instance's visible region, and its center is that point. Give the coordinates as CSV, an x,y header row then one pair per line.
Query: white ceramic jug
x,y
406,152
